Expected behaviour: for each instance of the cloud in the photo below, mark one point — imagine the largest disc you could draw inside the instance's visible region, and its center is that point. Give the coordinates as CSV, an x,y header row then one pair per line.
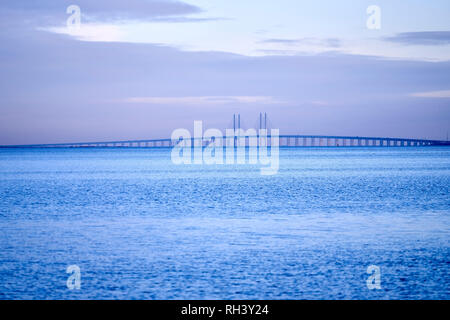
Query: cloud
x,y
328,42
281,41
430,38
103,10
432,94
278,52
204,100
320,103
187,19
333,42
92,32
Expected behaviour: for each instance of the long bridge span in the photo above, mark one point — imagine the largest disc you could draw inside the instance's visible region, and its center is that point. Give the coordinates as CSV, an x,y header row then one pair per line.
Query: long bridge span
x,y
284,141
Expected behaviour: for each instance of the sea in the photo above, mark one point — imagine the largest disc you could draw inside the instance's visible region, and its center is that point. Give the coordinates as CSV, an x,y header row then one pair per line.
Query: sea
x,y
137,226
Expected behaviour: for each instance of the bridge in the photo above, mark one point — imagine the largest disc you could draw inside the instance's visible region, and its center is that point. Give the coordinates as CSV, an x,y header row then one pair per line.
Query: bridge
x,y
284,141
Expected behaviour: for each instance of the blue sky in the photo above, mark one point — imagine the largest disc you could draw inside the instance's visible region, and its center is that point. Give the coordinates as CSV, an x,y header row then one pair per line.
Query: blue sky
x,y
139,69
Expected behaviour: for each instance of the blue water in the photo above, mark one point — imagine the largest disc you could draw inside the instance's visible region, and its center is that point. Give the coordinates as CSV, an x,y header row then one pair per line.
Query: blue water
x,y
140,227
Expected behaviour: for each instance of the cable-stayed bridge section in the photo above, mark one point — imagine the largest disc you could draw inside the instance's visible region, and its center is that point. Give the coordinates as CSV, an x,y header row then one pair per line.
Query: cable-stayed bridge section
x,y
284,140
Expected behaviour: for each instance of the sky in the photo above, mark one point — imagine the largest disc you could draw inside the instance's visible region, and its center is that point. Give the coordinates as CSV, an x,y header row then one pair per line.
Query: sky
x,y
139,69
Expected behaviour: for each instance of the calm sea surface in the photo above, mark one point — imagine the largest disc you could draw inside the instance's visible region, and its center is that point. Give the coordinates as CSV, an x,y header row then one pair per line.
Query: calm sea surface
x,y
140,227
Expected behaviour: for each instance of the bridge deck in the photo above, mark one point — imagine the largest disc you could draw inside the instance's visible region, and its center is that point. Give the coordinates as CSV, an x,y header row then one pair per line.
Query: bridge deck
x,y
284,141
